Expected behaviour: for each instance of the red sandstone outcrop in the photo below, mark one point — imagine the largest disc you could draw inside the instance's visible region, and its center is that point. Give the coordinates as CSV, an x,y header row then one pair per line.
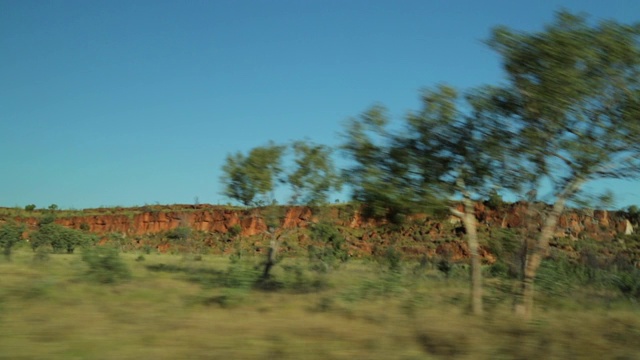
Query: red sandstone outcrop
x,y
576,224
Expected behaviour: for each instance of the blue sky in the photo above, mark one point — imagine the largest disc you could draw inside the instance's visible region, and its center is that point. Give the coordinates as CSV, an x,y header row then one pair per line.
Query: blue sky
x,y
121,103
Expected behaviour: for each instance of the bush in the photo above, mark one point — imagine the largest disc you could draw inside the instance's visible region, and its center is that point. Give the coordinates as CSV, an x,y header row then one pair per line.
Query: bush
x,y
235,230
628,283
10,234
331,251
60,238
30,207
393,259
105,265
180,233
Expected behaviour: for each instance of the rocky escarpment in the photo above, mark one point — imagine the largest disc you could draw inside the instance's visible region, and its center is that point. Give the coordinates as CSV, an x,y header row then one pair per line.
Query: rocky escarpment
x,y
419,234
599,224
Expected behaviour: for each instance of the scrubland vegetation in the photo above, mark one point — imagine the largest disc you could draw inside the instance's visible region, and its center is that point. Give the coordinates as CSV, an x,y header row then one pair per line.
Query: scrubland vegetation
x,y
565,115
100,303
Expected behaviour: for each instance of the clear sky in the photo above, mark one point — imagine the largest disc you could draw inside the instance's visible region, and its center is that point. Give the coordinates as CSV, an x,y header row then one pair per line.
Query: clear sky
x,y
121,103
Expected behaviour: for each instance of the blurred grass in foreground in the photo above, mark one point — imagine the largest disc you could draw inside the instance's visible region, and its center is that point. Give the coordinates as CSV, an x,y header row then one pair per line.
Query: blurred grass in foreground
x,y
178,307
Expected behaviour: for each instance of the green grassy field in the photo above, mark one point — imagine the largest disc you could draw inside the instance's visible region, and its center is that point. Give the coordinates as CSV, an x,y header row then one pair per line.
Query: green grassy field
x,y
187,307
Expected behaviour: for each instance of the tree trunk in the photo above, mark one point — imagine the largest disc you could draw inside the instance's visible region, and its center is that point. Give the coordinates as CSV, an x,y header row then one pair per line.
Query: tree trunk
x,y
523,305
272,256
471,227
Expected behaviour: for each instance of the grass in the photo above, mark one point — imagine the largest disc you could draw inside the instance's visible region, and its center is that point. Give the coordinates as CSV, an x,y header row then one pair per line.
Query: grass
x,y
51,310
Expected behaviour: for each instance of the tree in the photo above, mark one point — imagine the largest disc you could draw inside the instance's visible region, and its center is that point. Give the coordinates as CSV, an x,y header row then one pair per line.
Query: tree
x,y
442,153
249,179
59,238
379,172
458,155
10,234
314,175
572,99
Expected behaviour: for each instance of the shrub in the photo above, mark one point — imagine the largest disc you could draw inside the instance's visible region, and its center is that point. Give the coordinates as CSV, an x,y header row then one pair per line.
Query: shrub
x,y
180,233
235,230
10,234
332,249
60,238
393,259
628,283
105,265
445,266
45,219
30,207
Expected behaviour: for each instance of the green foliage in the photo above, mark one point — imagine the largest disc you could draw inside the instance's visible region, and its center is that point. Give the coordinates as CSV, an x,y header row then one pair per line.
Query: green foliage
x,y
507,247
393,259
250,178
444,265
384,175
314,176
633,212
332,249
30,207
573,99
273,216
234,230
241,275
297,279
10,235
495,200
60,238
47,218
105,265
628,283
180,233
53,207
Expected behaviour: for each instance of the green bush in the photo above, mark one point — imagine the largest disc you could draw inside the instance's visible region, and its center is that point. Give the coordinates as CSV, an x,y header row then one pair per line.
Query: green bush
x,y
393,259
498,269
30,207
180,233
60,238
298,280
10,235
240,275
234,230
628,283
331,251
105,265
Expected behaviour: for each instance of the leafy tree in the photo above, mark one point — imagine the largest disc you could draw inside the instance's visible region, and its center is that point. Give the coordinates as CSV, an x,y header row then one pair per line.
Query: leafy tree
x,y
460,155
314,175
378,173
572,99
441,153
10,234
30,207
250,178
60,238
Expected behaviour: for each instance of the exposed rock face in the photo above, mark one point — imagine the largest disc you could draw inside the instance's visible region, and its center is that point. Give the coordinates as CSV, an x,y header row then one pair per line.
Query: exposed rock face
x,y
599,224
219,219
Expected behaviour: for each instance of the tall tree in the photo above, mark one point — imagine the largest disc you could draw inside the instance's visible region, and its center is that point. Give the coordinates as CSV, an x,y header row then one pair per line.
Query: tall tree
x,y
573,99
251,178
442,153
462,155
